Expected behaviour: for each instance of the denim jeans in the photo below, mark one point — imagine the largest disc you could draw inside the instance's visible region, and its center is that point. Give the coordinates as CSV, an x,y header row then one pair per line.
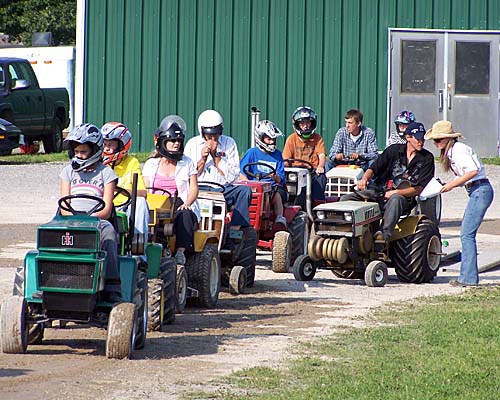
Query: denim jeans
x,y
480,198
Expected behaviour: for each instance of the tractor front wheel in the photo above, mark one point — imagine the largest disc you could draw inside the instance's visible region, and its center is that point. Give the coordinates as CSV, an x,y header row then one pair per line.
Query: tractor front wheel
x,y
181,289
237,280
376,274
121,331
13,325
282,251
304,268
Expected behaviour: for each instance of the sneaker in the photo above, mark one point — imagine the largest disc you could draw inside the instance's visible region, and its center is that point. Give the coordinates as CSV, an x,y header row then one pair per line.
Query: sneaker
x,y
180,258
456,283
280,220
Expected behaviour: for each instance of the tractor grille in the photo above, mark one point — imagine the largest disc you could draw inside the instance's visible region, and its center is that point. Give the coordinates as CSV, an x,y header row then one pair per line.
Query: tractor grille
x,y
336,187
67,239
58,274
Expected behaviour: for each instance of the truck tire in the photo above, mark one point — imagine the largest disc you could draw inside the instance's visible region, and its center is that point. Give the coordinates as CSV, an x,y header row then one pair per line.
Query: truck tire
x,y
299,230
52,143
204,275
7,115
415,257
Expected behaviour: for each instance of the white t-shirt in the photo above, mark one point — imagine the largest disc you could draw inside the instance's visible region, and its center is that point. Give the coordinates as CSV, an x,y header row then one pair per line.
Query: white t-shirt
x,y
87,182
464,159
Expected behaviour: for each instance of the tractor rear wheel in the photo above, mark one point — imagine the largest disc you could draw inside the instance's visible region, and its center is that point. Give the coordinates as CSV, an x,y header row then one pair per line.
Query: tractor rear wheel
x,y
181,289
121,331
13,325
282,251
299,230
248,254
416,257
204,275
156,303
141,302
168,272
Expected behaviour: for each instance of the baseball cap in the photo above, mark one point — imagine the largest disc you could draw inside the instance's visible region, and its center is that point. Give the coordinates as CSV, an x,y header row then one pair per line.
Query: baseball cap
x,y
416,129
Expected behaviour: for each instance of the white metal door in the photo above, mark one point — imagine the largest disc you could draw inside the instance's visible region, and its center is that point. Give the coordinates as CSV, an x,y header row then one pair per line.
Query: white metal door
x,y
448,75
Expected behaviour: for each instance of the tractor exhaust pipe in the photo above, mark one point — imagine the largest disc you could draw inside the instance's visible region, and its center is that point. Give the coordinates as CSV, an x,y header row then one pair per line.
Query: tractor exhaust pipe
x,y
255,118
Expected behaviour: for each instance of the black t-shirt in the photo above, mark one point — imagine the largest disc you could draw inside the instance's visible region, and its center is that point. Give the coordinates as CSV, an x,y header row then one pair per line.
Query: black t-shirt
x,y
392,164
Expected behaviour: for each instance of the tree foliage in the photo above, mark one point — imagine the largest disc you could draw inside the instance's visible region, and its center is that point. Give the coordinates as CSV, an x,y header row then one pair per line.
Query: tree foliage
x,y
21,18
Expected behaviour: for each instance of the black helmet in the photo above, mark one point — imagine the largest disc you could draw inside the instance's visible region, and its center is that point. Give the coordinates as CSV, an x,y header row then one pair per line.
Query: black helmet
x,y
302,114
171,132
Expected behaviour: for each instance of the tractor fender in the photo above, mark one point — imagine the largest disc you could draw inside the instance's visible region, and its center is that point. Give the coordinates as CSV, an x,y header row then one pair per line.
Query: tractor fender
x,y
405,227
201,238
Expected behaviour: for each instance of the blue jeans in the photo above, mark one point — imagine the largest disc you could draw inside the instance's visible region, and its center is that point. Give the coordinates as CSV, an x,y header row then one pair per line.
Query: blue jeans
x,y
480,198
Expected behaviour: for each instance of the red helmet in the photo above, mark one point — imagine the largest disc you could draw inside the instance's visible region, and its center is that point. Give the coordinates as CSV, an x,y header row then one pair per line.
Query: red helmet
x,y
116,131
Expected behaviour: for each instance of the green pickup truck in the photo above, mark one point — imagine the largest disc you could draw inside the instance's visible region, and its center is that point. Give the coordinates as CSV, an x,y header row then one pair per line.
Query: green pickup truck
x,y
40,114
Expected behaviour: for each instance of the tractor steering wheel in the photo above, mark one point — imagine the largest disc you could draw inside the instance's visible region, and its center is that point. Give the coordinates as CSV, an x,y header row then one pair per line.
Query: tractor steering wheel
x,y
303,163
207,184
165,191
258,175
124,192
64,203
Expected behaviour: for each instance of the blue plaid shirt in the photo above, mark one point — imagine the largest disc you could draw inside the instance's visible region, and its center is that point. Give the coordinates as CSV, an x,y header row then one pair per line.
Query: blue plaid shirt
x,y
365,146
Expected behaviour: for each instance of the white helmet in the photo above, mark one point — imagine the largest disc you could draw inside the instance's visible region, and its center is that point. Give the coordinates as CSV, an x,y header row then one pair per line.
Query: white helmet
x,y
84,134
210,122
267,128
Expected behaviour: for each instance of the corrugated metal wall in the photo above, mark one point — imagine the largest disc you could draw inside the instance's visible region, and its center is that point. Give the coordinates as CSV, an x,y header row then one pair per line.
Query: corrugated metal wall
x,y
146,59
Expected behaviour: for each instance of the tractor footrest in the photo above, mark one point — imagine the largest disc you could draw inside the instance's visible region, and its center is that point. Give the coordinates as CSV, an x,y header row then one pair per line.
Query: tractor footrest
x,y
192,292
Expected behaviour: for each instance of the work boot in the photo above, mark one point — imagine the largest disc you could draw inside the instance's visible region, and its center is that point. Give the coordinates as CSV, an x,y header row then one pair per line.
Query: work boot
x,y
380,242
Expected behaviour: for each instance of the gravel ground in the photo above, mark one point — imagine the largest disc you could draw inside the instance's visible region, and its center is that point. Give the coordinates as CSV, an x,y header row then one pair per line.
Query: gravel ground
x,y
258,328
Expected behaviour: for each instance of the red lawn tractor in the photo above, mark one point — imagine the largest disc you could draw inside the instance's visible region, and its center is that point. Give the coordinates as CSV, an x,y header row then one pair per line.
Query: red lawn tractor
x,y
285,245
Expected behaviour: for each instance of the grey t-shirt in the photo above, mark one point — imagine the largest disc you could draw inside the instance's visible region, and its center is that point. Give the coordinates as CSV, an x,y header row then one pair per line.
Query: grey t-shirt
x,y
87,182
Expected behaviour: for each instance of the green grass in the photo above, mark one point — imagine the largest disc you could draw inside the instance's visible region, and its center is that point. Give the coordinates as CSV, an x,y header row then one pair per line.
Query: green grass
x,y
142,156
443,348
17,159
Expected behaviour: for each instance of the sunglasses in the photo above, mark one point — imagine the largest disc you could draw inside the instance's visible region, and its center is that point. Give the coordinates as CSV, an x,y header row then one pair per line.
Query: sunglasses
x,y
175,140
438,140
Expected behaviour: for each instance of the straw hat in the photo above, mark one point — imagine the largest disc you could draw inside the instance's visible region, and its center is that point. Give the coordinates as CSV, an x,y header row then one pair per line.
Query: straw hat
x,y
442,130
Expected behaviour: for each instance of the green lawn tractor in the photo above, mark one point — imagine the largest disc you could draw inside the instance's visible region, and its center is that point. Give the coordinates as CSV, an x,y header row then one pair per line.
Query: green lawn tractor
x,y
63,280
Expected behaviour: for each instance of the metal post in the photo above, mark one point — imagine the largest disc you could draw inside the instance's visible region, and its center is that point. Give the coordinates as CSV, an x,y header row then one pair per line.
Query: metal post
x,y
255,119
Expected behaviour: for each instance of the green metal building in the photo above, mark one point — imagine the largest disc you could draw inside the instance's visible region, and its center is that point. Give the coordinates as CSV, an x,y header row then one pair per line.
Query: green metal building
x,y
145,59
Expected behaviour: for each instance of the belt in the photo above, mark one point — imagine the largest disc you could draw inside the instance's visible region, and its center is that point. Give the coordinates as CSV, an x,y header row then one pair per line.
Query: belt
x,y
476,182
